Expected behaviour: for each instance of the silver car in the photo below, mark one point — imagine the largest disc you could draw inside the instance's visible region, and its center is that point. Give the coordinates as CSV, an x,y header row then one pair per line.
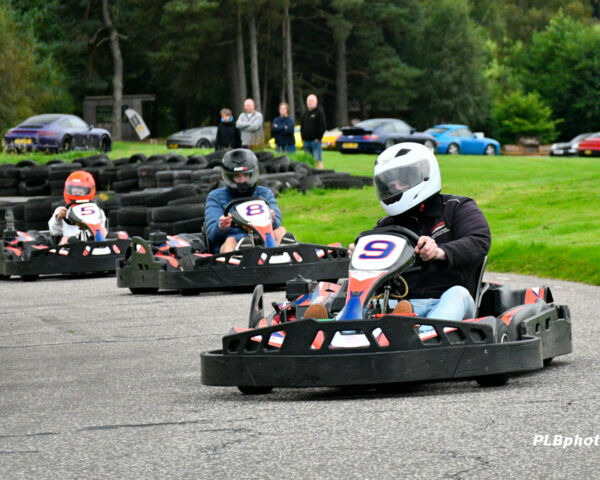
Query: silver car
x,y
199,137
568,148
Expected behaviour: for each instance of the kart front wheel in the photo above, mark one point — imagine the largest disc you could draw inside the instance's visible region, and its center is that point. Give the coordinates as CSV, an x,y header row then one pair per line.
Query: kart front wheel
x,y
255,390
502,336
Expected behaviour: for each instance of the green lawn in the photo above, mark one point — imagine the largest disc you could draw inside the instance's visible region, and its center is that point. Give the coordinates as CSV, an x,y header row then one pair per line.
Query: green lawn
x,y
542,210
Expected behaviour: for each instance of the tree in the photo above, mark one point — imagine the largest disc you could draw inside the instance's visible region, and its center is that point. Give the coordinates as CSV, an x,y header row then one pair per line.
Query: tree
x,y
562,63
117,72
523,115
452,59
286,28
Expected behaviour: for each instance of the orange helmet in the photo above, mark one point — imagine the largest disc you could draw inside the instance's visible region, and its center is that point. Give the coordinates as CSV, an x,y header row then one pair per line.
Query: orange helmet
x,y
79,187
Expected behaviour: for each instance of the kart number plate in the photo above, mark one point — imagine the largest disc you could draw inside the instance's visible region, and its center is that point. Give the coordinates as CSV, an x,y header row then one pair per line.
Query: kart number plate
x,y
23,141
173,145
350,145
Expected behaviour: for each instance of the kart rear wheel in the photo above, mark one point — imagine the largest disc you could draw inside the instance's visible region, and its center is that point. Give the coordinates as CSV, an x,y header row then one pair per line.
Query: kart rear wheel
x,y
255,390
502,336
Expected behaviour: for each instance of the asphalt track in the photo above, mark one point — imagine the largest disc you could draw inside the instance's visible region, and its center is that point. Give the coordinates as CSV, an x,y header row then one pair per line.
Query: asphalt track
x,y
98,383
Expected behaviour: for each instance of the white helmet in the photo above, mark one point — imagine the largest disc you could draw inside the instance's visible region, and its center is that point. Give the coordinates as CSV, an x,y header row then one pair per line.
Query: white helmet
x,y
406,175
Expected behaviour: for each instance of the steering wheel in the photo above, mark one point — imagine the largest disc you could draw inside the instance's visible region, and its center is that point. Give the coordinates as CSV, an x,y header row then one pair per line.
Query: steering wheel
x,y
235,201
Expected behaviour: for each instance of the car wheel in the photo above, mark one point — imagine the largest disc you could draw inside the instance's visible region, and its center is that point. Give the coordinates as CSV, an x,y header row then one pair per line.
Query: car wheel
x,y
67,144
105,144
453,149
430,145
502,336
389,143
203,143
489,150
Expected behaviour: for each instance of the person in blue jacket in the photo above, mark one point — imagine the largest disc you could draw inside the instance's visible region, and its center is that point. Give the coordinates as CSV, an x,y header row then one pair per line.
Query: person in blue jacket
x,y
240,174
282,129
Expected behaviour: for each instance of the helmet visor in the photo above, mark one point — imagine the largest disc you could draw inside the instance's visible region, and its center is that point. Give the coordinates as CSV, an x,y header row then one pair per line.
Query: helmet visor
x,y
241,179
78,190
391,184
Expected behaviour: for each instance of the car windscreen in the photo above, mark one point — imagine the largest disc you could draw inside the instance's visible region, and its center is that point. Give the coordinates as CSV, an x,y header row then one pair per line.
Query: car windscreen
x,y
40,120
436,130
370,124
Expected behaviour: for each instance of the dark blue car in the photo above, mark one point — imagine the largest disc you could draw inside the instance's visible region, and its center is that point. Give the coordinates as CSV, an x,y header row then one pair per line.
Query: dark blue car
x,y
377,134
54,132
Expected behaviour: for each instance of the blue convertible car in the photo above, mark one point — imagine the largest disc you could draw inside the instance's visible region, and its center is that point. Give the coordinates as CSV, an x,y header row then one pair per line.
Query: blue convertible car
x,y
455,139
54,132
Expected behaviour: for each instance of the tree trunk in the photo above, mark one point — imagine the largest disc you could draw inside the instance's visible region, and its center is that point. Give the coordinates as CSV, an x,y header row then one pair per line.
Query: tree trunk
x,y
117,73
341,30
341,92
241,67
254,60
266,77
289,78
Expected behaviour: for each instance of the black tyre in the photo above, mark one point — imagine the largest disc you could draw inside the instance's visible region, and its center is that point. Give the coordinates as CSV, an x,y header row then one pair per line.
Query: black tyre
x,y
143,291
67,144
127,173
191,200
55,161
197,159
502,335
190,225
255,390
9,171
176,213
430,144
9,182
138,158
203,143
34,187
34,173
453,149
489,150
119,162
136,216
38,210
27,163
105,144
122,186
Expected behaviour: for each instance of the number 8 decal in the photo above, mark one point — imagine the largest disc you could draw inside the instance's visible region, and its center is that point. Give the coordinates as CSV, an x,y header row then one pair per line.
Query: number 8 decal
x,y
380,249
255,209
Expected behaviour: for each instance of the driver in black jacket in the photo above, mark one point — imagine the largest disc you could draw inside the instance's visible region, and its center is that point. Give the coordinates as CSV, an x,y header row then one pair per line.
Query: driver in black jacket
x,y
454,236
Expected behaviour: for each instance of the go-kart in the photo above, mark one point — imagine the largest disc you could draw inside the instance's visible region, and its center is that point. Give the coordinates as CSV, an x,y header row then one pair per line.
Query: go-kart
x,y
357,339
164,264
33,253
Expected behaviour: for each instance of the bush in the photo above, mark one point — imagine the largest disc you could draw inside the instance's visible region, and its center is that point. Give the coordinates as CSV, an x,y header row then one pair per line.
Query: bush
x,y
524,114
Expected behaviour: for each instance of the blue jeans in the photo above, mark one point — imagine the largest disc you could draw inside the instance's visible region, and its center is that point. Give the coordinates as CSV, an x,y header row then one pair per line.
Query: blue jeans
x,y
285,148
313,147
456,303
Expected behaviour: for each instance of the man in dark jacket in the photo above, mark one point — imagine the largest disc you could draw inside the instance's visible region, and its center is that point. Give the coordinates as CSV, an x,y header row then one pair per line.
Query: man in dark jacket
x,y
312,127
454,236
228,136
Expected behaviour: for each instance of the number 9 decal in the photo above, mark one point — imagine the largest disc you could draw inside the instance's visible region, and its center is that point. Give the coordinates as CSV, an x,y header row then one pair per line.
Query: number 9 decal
x,y
380,249
255,209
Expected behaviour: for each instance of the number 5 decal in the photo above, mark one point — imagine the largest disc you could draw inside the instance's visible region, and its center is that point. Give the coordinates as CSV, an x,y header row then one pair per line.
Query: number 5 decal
x,y
380,249
87,210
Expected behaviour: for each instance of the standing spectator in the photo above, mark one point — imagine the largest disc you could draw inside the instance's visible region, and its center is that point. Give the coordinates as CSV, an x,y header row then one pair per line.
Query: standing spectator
x,y
312,127
283,130
250,125
228,136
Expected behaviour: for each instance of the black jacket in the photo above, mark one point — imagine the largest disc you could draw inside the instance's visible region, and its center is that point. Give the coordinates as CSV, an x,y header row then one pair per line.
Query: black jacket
x,y
313,124
460,229
228,136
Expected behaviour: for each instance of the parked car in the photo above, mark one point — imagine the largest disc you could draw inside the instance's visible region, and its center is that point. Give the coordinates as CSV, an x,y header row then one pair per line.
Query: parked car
x,y
454,139
199,137
330,138
55,132
376,134
568,148
589,146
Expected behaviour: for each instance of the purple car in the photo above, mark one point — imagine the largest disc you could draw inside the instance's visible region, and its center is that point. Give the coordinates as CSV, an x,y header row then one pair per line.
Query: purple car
x,y
54,132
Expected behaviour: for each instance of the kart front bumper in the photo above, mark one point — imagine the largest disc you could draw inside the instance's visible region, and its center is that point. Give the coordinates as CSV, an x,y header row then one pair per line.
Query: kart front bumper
x,y
247,361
